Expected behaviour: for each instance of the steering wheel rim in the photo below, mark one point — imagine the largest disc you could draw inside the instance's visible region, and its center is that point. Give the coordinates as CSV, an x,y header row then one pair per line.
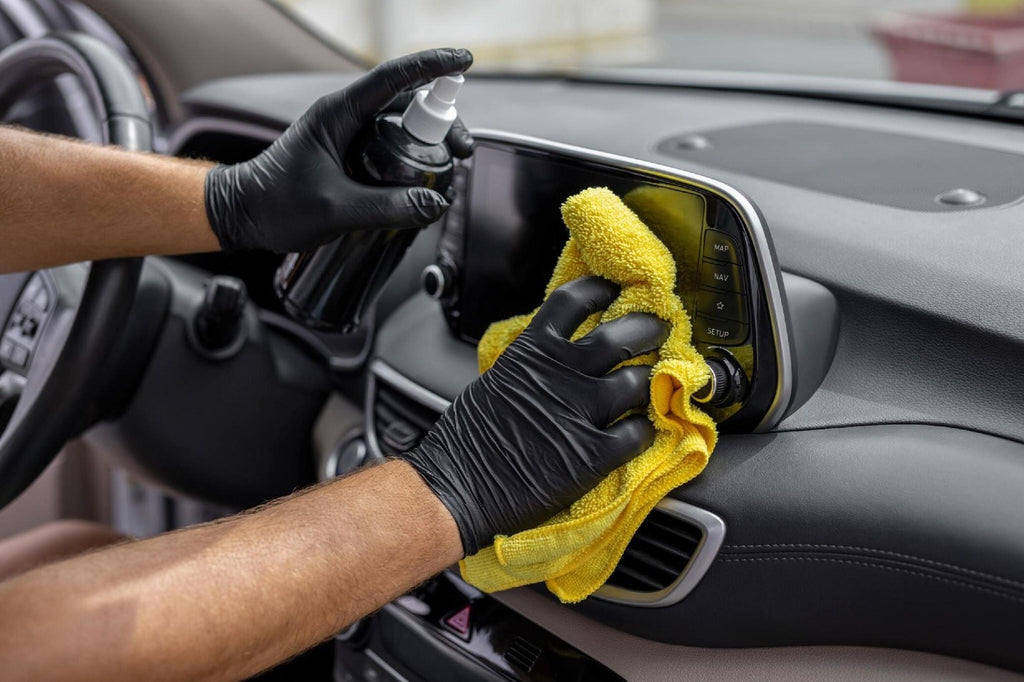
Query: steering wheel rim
x,y
58,384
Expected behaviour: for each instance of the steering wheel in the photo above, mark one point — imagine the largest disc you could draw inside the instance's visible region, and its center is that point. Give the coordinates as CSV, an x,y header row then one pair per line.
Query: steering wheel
x,y
60,323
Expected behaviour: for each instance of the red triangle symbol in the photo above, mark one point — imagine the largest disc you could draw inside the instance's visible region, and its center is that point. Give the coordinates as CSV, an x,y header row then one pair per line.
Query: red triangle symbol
x,y
459,621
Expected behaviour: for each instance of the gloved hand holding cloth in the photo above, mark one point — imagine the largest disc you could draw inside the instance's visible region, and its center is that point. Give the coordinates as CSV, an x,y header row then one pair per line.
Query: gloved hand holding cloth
x,y
547,462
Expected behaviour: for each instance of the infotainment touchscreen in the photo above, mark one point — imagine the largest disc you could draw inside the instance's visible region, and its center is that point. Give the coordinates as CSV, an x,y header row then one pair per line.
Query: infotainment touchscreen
x,y
505,232
517,195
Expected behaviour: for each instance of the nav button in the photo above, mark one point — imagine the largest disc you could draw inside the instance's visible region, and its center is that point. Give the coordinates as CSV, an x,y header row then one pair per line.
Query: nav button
x,y
721,276
718,332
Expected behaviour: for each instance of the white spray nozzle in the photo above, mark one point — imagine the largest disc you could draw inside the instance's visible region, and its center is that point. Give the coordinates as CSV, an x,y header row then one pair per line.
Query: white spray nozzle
x,y
431,113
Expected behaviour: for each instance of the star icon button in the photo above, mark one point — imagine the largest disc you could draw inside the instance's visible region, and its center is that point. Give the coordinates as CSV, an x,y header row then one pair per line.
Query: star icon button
x,y
720,306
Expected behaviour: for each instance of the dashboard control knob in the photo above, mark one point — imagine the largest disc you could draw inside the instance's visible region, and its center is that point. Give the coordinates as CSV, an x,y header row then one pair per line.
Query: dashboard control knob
x,y
217,326
718,385
437,281
728,384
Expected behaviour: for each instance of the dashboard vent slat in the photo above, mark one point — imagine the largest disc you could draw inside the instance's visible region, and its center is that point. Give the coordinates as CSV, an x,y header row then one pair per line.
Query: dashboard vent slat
x,y
399,421
658,554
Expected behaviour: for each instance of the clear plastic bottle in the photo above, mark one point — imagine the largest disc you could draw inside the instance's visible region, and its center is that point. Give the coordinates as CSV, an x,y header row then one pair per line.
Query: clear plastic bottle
x,y
333,287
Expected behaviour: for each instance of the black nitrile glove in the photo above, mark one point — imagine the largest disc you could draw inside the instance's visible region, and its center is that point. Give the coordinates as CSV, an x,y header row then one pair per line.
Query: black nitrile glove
x,y
296,195
535,432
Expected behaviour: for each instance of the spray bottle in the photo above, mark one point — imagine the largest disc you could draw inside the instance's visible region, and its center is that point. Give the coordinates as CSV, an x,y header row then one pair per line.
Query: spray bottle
x,y
332,287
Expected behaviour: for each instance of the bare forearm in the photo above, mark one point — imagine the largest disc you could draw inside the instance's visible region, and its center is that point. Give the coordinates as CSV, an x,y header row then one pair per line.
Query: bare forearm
x,y
66,201
226,600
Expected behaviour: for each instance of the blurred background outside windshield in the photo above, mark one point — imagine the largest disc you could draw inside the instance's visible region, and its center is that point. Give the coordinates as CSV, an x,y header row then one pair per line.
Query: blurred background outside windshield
x,y
975,43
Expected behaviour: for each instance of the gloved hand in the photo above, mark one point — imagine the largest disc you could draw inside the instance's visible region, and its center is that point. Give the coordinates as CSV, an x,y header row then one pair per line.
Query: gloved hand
x,y
535,432
296,195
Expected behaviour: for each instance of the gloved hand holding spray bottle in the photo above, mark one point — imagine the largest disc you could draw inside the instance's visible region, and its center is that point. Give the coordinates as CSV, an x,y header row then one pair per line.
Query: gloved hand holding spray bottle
x,y
335,285
349,166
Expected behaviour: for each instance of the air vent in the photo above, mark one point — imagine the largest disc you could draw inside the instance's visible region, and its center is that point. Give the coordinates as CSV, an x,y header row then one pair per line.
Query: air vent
x,y
667,556
399,421
658,553
522,654
401,411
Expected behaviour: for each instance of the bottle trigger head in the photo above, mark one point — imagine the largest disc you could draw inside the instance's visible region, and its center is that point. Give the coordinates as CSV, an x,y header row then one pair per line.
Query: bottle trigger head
x,y
431,113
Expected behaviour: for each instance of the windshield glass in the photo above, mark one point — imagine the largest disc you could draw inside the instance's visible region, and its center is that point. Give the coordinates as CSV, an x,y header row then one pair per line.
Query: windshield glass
x,y
974,43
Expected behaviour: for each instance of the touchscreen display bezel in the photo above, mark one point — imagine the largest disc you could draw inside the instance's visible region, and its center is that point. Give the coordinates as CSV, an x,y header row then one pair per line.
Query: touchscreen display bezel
x,y
756,237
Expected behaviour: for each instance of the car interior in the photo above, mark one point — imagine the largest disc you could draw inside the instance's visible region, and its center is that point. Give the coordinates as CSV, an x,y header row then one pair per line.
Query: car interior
x,y
845,250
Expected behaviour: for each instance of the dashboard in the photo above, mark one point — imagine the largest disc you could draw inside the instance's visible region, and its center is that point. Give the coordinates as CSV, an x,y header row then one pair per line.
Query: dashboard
x,y
869,479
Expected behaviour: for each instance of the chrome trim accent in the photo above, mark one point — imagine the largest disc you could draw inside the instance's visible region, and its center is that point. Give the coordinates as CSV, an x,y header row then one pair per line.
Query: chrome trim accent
x,y
381,371
713,529
771,278
213,124
435,270
375,657
712,386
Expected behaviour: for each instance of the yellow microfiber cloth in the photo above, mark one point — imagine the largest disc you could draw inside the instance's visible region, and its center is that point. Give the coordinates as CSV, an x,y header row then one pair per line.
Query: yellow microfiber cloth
x,y
576,550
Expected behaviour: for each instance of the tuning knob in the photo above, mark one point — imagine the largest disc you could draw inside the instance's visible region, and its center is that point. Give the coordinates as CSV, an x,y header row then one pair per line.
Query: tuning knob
x,y
218,324
727,385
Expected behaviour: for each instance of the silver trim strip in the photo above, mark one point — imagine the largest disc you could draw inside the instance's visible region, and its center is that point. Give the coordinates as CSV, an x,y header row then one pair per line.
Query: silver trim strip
x,y
381,371
713,529
771,278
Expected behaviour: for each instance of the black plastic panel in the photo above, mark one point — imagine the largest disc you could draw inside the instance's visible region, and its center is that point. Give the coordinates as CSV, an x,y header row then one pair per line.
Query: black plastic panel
x,y
896,536
446,630
902,171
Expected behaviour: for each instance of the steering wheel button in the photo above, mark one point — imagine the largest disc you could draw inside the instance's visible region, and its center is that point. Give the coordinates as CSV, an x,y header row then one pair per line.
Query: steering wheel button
x,y
719,246
19,356
32,288
29,327
6,350
718,332
42,299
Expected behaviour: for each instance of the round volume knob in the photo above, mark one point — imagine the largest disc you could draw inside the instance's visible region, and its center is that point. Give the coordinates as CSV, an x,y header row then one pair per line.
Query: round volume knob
x,y
717,390
436,281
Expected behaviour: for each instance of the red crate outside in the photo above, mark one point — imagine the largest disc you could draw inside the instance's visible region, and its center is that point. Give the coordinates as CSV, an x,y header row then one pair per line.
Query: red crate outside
x,y
956,49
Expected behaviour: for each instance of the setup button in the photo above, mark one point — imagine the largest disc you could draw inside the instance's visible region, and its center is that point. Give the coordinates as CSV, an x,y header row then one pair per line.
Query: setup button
x,y
718,332
720,246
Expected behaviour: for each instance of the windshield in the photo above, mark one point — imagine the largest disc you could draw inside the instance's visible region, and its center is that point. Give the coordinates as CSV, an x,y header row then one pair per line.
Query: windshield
x,y
973,43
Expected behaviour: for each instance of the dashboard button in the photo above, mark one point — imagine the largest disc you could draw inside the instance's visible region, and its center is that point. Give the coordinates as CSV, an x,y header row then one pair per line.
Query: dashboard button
x,y
19,356
719,332
459,621
42,299
721,247
720,304
721,276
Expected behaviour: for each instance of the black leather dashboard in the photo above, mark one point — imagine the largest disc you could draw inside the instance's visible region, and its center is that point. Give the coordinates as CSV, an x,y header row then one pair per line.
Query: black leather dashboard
x,y
886,510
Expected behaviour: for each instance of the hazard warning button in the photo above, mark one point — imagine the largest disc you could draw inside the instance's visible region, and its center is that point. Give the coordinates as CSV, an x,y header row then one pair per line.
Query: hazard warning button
x,y
458,622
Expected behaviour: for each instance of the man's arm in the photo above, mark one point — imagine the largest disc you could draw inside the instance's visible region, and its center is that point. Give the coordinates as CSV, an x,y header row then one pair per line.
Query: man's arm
x,y
66,201
63,201
225,600
222,601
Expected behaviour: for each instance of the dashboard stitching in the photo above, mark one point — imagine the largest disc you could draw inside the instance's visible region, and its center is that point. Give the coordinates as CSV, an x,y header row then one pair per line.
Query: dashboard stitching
x,y
971,586
882,552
